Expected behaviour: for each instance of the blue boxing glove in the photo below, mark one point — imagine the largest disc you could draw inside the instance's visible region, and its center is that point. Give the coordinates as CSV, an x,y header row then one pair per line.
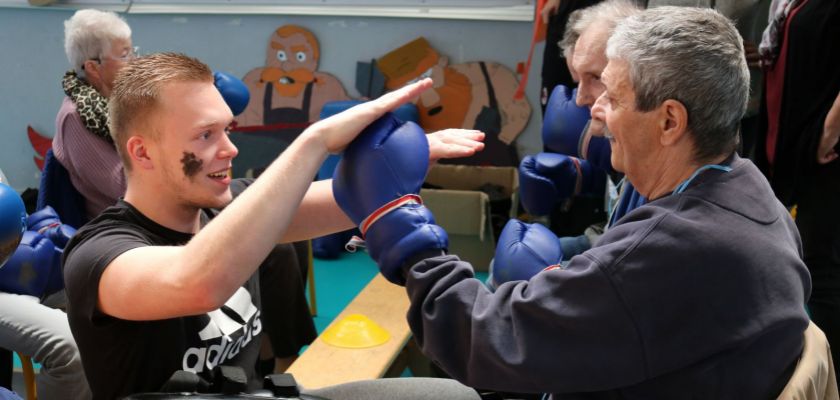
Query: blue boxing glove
x,y
46,222
34,269
233,90
376,185
523,251
563,122
12,221
548,178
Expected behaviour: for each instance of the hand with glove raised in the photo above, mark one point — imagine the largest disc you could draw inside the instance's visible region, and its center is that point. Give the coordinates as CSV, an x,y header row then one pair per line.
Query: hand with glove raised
x,y
546,178
233,90
523,250
376,185
563,122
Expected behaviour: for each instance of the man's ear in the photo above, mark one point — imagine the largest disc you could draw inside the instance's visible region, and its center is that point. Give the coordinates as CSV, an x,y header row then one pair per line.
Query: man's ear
x,y
137,148
673,122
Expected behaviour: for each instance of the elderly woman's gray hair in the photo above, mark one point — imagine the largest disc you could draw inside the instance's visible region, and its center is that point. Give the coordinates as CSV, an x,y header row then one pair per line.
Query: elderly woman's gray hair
x,y
88,35
609,13
694,56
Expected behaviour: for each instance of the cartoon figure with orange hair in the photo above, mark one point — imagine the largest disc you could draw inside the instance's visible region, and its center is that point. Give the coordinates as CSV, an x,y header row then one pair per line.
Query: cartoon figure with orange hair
x,y
287,95
473,95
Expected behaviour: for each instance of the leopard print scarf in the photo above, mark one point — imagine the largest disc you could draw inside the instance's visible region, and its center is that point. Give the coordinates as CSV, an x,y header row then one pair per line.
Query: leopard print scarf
x,y
92,106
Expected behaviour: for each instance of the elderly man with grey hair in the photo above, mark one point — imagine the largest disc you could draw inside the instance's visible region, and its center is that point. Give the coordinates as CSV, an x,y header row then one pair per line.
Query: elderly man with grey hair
x,y
584,45
697,294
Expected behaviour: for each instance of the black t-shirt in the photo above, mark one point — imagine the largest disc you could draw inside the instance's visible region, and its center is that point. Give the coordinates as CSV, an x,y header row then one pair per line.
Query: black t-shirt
x,y
121,357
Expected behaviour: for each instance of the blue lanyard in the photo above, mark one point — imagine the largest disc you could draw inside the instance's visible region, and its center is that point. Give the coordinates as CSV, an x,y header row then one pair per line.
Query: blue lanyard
x,y
682,186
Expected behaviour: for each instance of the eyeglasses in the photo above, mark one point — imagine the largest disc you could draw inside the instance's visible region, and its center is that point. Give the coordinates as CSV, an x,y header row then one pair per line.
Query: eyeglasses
x,y
129,55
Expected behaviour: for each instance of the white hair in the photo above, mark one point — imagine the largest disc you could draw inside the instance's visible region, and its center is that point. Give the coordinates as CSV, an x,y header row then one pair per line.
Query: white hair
x,y
694,56
88,35
608,14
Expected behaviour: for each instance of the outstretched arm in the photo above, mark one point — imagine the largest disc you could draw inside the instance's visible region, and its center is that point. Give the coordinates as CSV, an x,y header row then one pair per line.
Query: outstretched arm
x,y
159,282
319,214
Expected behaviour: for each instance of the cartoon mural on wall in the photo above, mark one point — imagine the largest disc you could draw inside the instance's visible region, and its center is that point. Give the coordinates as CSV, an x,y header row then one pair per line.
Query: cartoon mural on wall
x,y
287,95
473,95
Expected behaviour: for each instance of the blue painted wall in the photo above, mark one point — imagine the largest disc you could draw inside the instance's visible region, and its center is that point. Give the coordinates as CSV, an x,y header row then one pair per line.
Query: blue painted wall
x,y
32,59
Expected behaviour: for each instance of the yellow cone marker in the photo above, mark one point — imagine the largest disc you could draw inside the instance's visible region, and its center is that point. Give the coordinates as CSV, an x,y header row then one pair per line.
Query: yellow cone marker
x,y
355,331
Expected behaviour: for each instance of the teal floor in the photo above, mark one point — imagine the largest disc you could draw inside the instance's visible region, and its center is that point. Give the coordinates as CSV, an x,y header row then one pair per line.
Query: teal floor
x,y
338,281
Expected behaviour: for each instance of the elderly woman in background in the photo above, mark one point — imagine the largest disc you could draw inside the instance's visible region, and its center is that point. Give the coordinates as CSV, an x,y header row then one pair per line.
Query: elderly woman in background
x,y
98,44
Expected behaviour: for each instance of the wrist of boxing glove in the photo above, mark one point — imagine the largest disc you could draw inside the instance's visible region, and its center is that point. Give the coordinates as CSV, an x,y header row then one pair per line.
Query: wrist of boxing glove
x,y
422,256
401,233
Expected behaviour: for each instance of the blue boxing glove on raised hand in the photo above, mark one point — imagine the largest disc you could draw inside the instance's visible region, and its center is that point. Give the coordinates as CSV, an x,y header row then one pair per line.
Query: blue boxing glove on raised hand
x,y
563,122
548,178
233,90
523,251
376,185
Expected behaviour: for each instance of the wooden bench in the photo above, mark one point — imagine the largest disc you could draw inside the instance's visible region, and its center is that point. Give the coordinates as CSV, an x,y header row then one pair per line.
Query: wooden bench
x,y
325,365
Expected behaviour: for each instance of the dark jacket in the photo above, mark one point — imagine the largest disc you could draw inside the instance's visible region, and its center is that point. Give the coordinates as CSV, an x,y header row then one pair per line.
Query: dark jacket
x,y
693,295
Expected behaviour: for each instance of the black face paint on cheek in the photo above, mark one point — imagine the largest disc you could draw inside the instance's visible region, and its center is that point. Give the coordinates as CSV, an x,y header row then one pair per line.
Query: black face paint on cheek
x,y
191,164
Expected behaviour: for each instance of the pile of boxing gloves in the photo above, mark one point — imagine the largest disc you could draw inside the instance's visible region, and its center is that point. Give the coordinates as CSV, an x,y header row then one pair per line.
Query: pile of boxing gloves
x,y
34,268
